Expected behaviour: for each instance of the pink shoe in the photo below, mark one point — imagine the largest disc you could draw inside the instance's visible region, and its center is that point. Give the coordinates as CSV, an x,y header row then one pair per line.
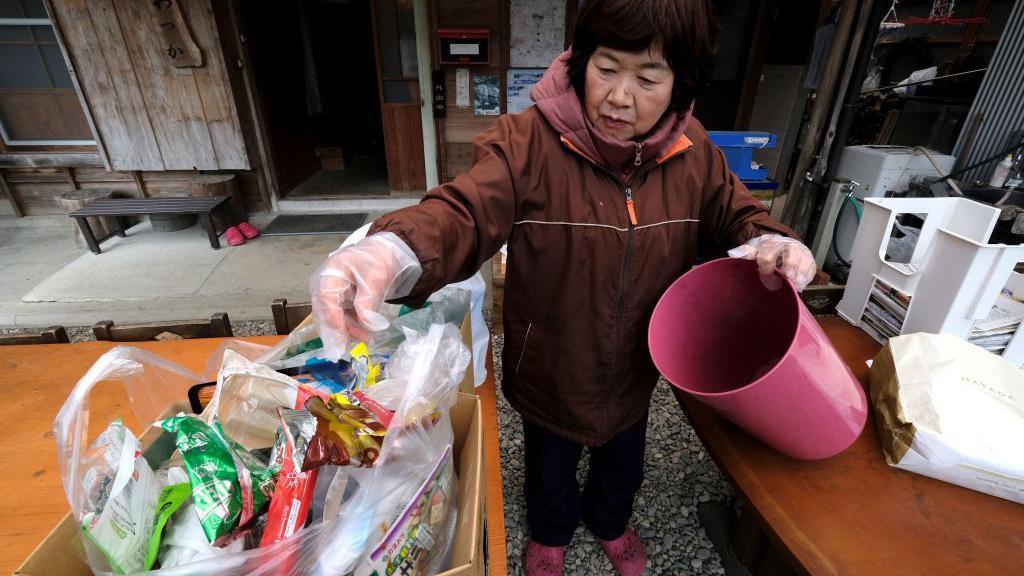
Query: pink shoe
x,y
541,560
234,236
627,553
248,230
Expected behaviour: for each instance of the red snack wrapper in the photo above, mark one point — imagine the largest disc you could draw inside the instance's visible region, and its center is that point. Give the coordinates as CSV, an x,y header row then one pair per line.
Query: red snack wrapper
x,y
289,506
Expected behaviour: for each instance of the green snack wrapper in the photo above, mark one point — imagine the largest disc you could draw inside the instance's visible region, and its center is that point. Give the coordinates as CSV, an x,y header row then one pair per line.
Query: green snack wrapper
x,y
229,484
171,498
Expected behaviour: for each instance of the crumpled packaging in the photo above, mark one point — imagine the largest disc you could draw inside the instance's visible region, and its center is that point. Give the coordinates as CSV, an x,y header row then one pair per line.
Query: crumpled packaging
x,y
948,409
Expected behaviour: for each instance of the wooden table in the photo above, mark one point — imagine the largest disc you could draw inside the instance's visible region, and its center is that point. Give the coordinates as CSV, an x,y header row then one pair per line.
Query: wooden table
x,y
35,381
853,514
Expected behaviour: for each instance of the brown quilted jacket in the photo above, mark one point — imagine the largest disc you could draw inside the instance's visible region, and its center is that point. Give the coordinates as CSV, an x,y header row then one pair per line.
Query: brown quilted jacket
x,y
583,275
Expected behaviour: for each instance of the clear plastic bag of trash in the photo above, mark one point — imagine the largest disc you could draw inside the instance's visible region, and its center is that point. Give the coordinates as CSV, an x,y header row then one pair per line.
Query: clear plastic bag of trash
x,y
901,249
410,490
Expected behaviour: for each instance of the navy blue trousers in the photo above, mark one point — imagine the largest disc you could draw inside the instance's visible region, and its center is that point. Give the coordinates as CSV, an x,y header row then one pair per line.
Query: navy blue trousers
x,y
554,506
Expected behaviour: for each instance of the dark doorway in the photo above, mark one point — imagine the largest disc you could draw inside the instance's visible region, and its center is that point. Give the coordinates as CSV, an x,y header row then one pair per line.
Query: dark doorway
x,y
314,66
718,105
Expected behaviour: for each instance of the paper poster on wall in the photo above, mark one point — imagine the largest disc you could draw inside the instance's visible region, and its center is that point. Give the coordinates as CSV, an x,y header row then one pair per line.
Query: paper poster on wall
x,y
517,89
462,87
537,32
486,96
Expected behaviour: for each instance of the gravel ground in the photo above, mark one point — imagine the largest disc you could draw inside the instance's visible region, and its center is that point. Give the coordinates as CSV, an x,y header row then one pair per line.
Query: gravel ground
x,y
678,475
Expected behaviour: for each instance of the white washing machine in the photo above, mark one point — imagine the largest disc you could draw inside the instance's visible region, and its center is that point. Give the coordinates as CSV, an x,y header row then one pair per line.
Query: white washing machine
x,y
881,171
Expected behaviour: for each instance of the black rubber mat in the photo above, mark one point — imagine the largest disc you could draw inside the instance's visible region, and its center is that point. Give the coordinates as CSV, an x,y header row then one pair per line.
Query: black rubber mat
x,y
299,224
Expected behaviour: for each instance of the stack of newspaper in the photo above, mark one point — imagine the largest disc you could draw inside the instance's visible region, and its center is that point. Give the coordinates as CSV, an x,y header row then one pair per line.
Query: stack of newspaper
x,y
995,332
886,311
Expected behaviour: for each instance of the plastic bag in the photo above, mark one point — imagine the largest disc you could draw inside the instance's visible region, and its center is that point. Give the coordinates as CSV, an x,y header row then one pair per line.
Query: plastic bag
x,y
184,540
122,494
373,498
432,366
478,289
901,249
481,334
301,347
246,401
331,490
448,304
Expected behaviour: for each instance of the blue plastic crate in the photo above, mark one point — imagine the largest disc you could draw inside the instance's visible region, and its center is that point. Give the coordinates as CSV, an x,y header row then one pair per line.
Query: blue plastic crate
x,y
739,147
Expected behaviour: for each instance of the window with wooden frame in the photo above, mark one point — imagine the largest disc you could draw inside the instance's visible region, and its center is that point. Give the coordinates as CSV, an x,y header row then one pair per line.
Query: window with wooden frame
x,y
396,42
38,102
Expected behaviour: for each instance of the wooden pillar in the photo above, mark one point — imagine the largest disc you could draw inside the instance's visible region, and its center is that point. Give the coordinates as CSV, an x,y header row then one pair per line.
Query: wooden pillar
x,y
209,185
6,191
801,194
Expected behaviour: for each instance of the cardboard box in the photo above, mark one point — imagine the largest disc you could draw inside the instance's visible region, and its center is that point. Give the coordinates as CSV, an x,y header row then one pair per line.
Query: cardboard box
x,y
59,555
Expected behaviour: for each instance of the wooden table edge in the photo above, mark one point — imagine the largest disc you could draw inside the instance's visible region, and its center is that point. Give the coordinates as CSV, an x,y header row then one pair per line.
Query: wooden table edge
x,y
497,559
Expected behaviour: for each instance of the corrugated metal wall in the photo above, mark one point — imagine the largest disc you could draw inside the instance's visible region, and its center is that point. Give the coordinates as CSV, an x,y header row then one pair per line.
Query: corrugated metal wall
x,y
1000,99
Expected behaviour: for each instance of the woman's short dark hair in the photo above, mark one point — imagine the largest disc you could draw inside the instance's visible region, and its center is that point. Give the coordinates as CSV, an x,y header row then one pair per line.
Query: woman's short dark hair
x,y
684,29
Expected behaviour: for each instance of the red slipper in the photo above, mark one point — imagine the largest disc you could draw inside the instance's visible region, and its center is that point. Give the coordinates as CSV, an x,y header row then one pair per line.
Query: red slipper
x,y
248,230
627,553
234,236
540,560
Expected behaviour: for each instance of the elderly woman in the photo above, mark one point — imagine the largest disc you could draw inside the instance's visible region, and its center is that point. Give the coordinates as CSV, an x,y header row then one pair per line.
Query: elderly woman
x,y
605,192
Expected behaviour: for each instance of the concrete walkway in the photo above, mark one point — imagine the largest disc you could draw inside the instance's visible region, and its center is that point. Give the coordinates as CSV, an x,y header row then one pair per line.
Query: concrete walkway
x,y
46,279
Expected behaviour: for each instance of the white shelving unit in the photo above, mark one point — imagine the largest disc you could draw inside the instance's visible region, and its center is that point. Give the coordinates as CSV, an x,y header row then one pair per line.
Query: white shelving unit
x,y
952,281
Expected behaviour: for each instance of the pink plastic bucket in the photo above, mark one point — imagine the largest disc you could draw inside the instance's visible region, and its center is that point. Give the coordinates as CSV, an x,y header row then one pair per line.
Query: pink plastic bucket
x,y
759,358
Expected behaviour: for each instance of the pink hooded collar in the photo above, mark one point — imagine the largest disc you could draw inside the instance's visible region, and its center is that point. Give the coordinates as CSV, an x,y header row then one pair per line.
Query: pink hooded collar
x,y
557,101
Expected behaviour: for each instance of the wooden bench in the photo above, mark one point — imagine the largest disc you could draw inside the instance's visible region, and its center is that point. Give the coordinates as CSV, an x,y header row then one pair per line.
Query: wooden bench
x,y
219,326
117,207
51,335
288,315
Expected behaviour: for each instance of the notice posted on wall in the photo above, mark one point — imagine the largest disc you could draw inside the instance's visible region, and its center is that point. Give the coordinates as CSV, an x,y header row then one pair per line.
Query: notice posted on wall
x,y
517,89
537,34
462,87
486,96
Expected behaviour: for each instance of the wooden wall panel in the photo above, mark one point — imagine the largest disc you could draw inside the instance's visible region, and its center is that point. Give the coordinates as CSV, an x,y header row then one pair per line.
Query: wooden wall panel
x,y
38,198
96,48
37,189
213,83
149,114
461,126
171,96
476,14
405,155
87,175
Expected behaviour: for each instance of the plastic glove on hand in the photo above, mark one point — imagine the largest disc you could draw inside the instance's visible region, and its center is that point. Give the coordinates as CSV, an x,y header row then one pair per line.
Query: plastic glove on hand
x,y
774,252
348,290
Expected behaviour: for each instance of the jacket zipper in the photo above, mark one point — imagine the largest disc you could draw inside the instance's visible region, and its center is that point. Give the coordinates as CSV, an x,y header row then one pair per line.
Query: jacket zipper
x,y
630,208
620,301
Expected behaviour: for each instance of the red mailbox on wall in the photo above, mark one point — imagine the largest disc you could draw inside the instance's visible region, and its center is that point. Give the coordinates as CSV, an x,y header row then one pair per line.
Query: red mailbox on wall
x,y
464,45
